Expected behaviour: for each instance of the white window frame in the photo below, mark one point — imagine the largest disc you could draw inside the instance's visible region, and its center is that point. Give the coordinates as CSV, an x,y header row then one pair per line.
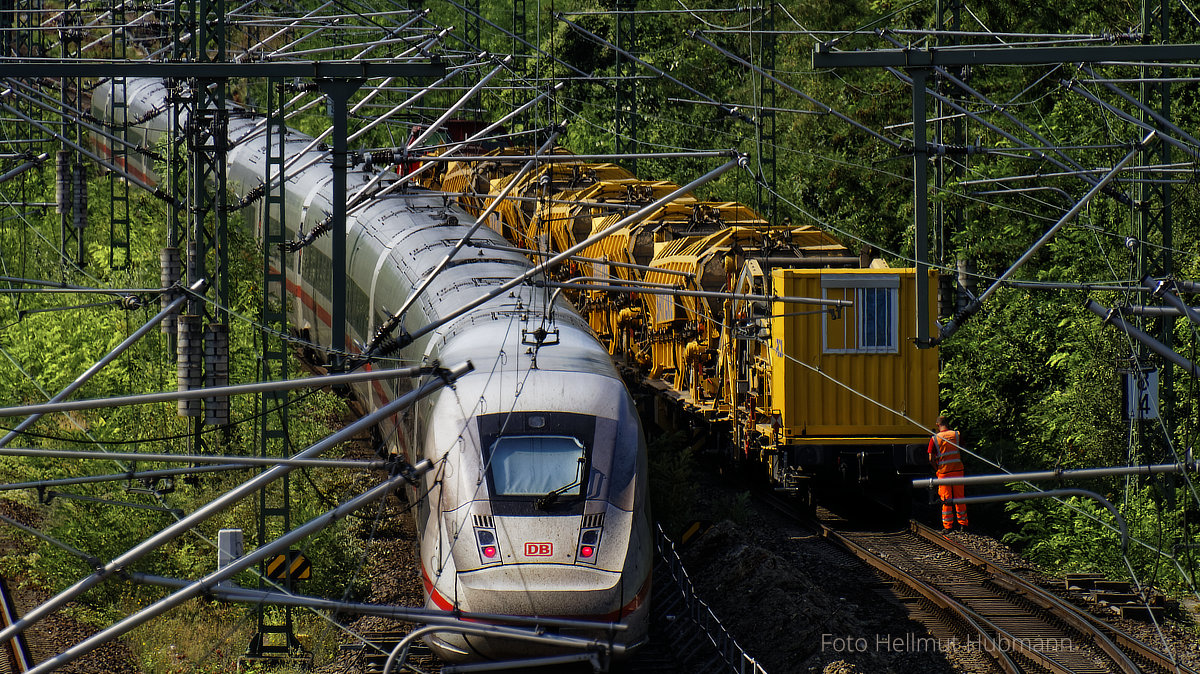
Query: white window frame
x,y
859,283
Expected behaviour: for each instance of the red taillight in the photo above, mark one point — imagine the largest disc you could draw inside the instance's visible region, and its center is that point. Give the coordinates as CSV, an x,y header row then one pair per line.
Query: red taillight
x,y
587,551
489,551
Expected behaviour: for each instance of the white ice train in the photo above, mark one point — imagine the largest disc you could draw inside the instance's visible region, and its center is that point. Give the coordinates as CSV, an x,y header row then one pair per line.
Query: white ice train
x,y
539,504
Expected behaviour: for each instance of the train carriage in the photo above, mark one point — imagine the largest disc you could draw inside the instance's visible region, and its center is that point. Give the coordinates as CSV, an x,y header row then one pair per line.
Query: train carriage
x,y
812,394
538,504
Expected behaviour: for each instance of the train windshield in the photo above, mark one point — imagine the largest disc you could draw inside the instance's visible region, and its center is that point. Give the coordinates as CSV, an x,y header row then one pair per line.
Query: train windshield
x,y
536,465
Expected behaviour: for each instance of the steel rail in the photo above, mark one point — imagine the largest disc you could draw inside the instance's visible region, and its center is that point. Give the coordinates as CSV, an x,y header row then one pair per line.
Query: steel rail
x,y
929,591
1009,580
20,657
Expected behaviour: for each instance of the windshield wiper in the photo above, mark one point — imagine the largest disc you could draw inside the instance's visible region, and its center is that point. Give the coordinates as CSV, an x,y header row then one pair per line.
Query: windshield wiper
x,y
544,502
551,498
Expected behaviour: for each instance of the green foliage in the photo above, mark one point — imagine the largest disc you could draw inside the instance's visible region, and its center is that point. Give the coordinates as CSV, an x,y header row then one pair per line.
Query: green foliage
x,y
1078,535
47,341
1030,381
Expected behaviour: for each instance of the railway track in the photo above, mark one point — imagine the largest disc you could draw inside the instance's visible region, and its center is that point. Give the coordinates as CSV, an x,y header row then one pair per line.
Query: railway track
x,y
1004,620
16,655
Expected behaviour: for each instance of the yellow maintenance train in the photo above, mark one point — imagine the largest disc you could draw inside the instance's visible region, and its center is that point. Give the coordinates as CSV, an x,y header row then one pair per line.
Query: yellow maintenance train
x,y
703,302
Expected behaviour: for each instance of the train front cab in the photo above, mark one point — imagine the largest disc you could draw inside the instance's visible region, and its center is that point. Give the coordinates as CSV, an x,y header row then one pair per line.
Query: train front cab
x,y
542,512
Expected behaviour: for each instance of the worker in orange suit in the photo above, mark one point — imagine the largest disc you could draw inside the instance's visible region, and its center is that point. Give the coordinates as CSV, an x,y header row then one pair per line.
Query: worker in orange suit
x,y
944,457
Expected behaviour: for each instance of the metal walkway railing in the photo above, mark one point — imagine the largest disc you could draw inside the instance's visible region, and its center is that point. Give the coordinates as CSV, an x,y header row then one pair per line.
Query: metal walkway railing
x,y
679,603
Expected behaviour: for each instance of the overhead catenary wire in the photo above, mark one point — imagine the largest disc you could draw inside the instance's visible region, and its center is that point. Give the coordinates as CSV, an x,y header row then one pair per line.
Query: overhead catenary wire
x,y
540,269
227,460
206,392
953,325
647,288
652,68
108,358
131,475
216,505
201,586
698,35
397,319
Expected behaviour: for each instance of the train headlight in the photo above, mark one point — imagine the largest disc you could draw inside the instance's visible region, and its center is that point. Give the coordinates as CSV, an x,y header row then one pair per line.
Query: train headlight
x,y
489,551
589,542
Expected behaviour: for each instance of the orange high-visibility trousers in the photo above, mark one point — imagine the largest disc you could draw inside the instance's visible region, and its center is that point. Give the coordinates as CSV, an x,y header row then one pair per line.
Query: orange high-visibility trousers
x,y
952,511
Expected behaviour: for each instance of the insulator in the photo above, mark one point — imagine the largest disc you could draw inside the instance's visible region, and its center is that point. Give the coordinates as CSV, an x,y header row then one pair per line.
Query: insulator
x,y
298,87
946,296
170,270
79,196
62,181
967,280
385,157
216,372
387,347
321,228
195,262
251,196
132,302
189,362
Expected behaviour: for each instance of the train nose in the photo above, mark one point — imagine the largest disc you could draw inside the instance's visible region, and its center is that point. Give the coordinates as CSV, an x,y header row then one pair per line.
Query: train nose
x,y
570,540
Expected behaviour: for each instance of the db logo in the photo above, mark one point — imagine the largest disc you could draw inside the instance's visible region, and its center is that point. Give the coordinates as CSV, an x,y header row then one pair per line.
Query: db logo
x,y
539,549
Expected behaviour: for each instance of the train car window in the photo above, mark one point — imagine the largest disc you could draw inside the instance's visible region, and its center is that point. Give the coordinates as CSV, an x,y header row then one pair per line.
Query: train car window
x,y
537,465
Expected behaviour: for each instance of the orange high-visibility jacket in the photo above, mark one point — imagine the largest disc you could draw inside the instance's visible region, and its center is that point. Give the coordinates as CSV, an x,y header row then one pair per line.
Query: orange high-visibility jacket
x,y
943,452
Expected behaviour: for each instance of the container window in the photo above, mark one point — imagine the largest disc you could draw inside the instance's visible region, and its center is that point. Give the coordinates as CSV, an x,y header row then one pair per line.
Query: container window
x,y
872,324
877,309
